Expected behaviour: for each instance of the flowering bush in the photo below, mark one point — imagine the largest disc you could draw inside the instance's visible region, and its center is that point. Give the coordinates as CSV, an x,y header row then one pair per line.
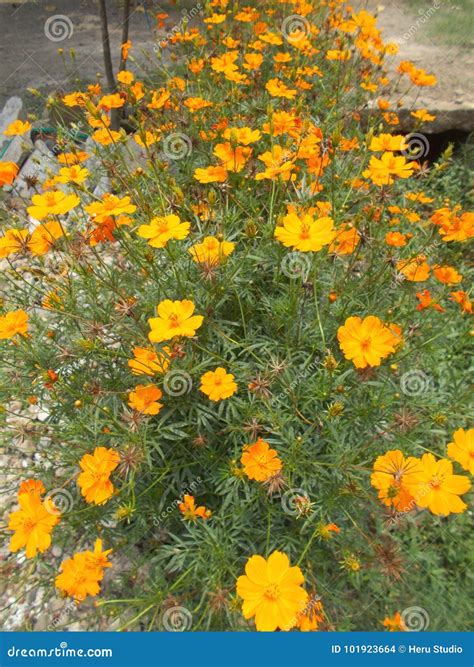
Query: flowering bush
x,y
233,338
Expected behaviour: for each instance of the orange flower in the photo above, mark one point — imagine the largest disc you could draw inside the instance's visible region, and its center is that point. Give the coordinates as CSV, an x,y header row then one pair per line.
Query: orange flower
x,y
259,461
447,275
390,477
211,174
44,236
113,101
463,299
415,270
34,521
196,103
145,399
305,233
94,481
218,384
13,241
279,162
394,623
54,202
395,239
461,449
105,137
189,510
346,240
163,228
381,171
211,250
13,323
426,301
175,318
232,159
434,486
272,592
366,342
277,88
81,575
147,362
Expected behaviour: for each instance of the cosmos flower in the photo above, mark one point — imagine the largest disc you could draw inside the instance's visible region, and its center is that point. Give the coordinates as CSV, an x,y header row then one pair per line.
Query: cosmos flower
x,y
175,318
94,481
163,228
260,462
461,449
366,341
218,384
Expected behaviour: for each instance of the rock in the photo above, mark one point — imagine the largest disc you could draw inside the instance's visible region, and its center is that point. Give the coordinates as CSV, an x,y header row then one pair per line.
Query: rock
x,y
36,166
12,111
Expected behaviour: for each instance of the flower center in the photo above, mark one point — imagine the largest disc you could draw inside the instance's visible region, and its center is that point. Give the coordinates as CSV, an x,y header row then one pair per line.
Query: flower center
x,y
272,592
366,343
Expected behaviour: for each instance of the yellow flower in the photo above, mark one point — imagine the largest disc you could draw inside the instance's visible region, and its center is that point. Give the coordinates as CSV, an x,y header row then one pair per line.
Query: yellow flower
x,y
392,471
242,135
34,521
381,171
196,103
74,174
434,486
259,461
8,172
218,384
94,481
279,162
415,269
17,128
232,159
394,624
272,592
163,228
147,362
125,77
105,137
211,250
211,174
13,323
277,88
175,318
44,236
366,342
81,575
110,205
388,142
462,449
305,233
145,399
54,202
13,241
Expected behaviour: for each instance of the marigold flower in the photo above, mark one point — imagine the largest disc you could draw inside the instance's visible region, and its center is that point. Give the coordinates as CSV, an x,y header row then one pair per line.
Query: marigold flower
x,y
211,250
144,398
175,318
148,362
218,384
390,476
435,487
366,342
259,461
163,228
461,449
13,323
94,481
272,592
189,510
305,233
125,77
17,128
34,521
54,202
